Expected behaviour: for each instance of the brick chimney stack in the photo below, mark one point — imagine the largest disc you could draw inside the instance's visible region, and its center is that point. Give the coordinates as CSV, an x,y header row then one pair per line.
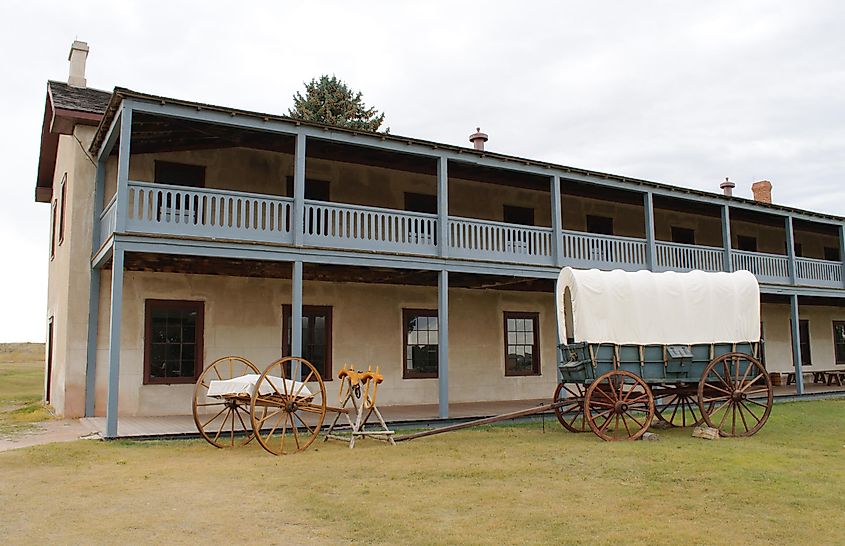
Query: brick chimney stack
x,y
478,139
77,57
727,187
762,191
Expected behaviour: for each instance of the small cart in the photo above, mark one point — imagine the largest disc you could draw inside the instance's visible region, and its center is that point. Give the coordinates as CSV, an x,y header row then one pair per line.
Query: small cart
x,y
681,348
282,407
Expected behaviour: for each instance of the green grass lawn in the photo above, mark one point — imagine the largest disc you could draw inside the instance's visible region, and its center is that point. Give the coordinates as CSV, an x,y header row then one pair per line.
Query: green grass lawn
x,y
504,484
21,386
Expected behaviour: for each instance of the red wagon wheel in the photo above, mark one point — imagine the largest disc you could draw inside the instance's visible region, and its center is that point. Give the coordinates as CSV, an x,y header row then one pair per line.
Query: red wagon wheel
x,y
571,412
619,406
223,421
735,394
295,410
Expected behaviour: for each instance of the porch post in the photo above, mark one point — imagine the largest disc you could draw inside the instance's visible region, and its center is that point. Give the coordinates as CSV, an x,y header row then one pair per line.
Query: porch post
x,y
651,248
298,215
122,189
114,339
790,250
726,239
557,222
94,294
796,343
296,315
442,207
443,344
842,250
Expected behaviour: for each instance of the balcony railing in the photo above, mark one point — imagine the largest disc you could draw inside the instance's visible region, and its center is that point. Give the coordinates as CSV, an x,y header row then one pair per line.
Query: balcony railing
x,y
239,216
603,251
369,228
108,220
678,257
482,239
814,272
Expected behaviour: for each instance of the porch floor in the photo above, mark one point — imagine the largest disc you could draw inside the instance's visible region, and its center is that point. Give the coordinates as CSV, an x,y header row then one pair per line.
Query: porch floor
x,y
183,425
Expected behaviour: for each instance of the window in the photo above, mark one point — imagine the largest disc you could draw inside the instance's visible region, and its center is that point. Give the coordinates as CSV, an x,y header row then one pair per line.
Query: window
x,y
746,243
179,174
173,336
839,341
53,229
803,341
49,371
684,236
523,216
420,343
62,208
421,202
831,254
522,344
316,337
601,225
316,190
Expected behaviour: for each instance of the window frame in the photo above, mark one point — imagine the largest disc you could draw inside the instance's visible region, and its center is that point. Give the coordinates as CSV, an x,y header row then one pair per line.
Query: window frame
x,y
62,208
287,311
836,359
537,369
53,207
411,374
199,339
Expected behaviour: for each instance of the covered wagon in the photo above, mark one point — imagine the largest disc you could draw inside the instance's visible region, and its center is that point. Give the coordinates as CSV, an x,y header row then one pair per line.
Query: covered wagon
x,y
682,348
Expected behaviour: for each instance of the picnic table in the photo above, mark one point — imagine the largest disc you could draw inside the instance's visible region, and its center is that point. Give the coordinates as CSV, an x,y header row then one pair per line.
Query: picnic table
x,y
823,377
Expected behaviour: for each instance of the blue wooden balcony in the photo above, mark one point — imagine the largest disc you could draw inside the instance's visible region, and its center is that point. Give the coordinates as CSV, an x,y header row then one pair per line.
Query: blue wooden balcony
x,y
165,210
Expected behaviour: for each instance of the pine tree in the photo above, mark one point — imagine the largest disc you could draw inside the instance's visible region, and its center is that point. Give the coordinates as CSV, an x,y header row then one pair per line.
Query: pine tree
x,y
328,100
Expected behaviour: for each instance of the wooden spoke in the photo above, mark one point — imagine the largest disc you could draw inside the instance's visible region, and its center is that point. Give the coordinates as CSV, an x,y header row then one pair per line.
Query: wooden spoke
x,y
571,415
630,396
290,403
679,400
738,367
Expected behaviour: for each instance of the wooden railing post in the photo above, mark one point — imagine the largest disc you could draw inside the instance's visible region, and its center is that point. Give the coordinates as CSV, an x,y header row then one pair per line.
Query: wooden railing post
x,y
557,222
726,238
790,250
442,206
651,249
298,215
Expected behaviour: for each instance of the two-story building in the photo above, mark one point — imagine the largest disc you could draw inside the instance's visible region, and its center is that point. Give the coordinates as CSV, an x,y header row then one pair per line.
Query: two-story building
x,y
182,232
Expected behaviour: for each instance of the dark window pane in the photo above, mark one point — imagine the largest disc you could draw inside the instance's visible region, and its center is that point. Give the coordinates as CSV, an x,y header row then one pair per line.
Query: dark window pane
x,y
173,339
521,344
421,338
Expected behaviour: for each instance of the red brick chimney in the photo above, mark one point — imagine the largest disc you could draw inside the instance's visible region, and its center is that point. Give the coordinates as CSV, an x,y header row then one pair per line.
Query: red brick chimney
x,y
762,191
478,139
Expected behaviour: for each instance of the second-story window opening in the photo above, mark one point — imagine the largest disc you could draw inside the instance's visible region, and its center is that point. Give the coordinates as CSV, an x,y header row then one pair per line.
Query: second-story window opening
x,y
601,225
523,216
746,243
682,235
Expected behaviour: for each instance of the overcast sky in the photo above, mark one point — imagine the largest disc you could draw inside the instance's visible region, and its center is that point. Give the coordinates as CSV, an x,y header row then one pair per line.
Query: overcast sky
x,y
684,93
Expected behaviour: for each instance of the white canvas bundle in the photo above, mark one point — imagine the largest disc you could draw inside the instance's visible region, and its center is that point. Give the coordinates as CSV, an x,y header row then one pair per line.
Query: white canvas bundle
x,y
658,308
245,386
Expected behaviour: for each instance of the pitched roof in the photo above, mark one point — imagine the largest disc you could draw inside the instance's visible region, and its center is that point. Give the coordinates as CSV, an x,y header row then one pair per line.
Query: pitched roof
x,y
78,99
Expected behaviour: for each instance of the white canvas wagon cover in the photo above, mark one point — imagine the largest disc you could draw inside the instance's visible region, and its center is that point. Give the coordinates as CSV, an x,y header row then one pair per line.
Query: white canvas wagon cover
x,y
645,308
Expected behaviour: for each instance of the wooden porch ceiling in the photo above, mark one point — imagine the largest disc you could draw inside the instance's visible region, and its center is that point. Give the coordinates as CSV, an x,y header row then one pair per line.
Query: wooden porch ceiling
x,y
168,263
153,134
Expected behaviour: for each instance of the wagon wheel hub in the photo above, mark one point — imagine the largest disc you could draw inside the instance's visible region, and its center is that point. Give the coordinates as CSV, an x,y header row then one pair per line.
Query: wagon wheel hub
x,y
290,406
621,407
738,396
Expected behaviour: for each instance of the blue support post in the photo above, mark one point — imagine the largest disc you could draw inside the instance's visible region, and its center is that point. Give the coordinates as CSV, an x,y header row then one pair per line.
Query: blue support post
x,y
796,343
298,215
727,264
442,207
296,316
122,190
651,248
842,251
443,344
114,340
790,249
94,294
557,221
